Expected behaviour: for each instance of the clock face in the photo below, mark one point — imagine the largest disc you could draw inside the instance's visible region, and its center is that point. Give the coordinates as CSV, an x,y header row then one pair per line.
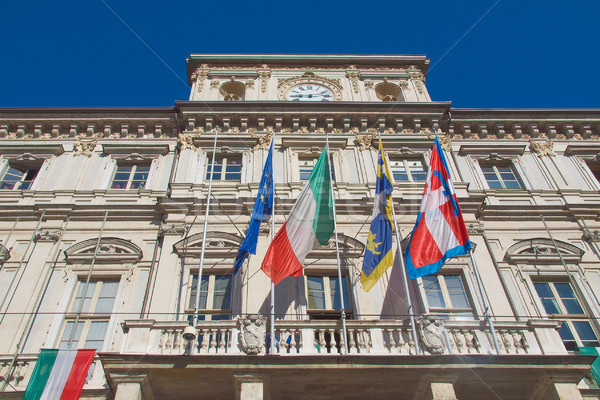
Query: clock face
x,y
310,92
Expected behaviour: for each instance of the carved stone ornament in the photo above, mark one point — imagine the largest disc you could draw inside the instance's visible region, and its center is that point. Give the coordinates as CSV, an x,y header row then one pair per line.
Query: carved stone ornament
x,y
172,229
252,331
364,141
284,85
431,330
85,146
264,140
445,142
542,148
46,236
186,140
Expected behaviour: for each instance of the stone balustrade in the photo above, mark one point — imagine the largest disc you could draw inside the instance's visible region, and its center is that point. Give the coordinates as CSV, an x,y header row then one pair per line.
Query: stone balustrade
x,y
325,337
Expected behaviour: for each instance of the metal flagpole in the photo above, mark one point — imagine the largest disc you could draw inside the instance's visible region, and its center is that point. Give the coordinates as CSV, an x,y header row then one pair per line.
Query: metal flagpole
x,y
201,265
404,277
485,303
337,252
272,349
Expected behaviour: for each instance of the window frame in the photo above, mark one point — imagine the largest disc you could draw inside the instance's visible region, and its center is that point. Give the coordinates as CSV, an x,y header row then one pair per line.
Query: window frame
x,y
329,312
209,313
311,157
132,173
405,160
91,315
450,312
18,184
495,164
222,161
567,318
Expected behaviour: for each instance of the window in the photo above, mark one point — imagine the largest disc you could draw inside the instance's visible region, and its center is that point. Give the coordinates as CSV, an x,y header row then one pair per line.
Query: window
x,y
559,300
215,297
447,297
408,170
226,168
500,176
18,178
323,295
130,177
595,169
306,166
96,308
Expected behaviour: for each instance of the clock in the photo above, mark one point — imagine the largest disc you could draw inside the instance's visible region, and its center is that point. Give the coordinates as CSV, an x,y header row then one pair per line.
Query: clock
x,y
310,92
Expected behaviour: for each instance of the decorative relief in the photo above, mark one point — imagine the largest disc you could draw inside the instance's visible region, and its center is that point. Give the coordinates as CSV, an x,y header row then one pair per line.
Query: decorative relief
x,y
431,330
111,250
250,84
85,146
46,236
264,140
445,142
542,148
200,76
214,83
353,75
186,140
253,329
364,141
475,229
404,84
172,229
4,254
369,84
264,76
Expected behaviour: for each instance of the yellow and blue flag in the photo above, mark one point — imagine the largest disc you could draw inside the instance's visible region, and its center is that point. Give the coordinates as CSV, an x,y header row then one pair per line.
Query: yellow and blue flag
x,y
263,207
378,254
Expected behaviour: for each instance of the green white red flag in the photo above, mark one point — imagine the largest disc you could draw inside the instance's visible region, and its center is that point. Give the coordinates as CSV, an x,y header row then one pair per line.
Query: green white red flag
x,y
309,225
59,374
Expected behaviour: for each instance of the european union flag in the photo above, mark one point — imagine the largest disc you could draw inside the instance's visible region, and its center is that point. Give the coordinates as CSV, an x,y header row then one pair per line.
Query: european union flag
x,y
378,254
263,208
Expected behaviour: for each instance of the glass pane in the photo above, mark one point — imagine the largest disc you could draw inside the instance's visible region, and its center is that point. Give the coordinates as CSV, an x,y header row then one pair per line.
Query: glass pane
x,y
512,185
316,292
66,337
586,333
334,284
456,291
433,291
547,297
222,293
13,175
566,294
96,334
91,288
108,292
567,337
305,173
203,292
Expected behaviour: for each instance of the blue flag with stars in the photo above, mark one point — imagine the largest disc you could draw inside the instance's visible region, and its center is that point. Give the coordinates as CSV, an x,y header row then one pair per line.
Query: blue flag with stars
x,y
378,251
263,208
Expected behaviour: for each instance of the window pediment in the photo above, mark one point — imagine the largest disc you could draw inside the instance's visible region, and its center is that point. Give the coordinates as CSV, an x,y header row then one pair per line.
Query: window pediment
x,y
501,151
4,254
542,250
135,152
349,248
111,250
218,244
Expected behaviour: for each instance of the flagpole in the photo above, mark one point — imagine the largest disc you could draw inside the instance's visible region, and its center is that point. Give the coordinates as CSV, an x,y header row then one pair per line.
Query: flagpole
x,y
272,349
201,265
337,251
485,303
411,314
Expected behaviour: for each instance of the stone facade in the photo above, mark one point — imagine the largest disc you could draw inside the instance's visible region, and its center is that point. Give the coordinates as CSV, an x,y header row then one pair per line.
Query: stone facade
x,y
111,203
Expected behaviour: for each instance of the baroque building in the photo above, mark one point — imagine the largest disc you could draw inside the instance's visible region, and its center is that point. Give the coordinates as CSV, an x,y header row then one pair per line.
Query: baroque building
x,y
102,215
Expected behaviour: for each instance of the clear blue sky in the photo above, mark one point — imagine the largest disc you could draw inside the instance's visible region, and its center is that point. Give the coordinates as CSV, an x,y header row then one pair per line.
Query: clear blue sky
x,y
521,54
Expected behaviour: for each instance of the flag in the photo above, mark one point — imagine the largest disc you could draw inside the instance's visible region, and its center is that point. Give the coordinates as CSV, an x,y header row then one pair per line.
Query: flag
x,y
440,231
59,374
263,207
378,253
309,224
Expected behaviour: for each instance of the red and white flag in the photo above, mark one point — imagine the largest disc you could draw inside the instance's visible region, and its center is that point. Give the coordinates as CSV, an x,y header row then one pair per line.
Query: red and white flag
x,y
440,232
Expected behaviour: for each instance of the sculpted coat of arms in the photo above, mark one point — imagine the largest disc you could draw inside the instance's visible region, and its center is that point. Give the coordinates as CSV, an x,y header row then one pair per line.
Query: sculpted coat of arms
x,y
253,330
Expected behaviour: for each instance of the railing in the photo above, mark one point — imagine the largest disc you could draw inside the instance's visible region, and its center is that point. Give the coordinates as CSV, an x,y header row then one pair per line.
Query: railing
x,y
325,337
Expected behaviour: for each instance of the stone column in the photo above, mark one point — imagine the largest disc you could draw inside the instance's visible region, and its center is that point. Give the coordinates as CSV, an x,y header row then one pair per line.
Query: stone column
x,y
549,390
250,387
134,386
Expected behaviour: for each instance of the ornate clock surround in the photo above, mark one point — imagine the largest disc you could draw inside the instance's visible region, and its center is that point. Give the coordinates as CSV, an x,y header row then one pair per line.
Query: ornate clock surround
x,y
284,85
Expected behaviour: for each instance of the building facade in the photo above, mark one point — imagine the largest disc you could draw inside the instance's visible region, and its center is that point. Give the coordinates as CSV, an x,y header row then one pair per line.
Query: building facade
x,y
102,215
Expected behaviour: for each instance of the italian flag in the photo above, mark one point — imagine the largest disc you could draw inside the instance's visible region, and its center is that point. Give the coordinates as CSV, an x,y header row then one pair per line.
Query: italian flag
x,y
59,374
309,225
